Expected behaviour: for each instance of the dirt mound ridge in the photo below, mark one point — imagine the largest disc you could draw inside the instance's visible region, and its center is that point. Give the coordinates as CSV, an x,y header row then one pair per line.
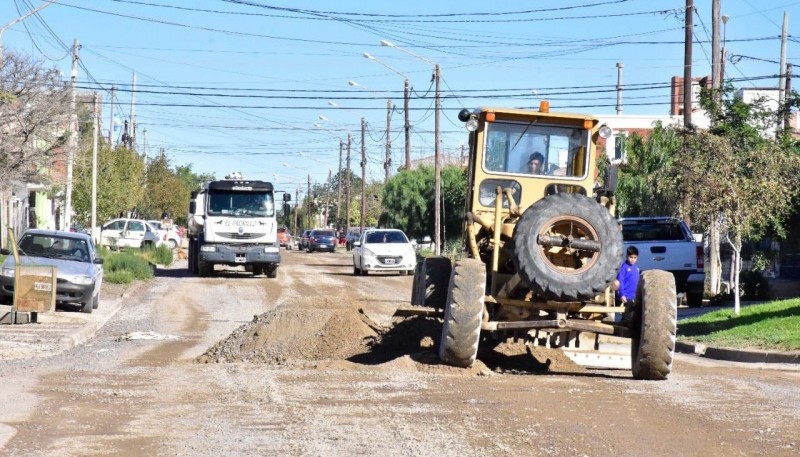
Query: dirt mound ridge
x,y
291,334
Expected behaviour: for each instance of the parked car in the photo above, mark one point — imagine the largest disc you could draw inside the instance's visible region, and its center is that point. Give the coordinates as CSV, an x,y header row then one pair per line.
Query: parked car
x,y
383,250
169,236
129,233
304,240
79,269
352,236
322,240
284,237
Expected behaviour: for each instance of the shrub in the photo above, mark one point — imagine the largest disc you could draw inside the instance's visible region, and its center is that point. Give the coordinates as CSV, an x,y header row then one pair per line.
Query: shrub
x,y
161,255
119,277
137,266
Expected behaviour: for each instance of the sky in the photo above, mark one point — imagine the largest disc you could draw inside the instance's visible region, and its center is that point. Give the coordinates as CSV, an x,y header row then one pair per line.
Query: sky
x,y
262,86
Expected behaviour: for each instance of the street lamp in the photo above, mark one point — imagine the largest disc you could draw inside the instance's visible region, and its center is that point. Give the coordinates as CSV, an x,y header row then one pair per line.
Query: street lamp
x,y
437,157
20,19
387,164
406,96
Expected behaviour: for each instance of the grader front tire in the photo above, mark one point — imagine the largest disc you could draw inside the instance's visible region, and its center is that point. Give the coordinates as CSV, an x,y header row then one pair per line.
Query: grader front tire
x,y
463,313
654,326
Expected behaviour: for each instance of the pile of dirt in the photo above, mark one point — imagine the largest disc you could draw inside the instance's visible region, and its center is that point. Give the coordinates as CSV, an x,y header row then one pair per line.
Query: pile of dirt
x,y
291,334
311,332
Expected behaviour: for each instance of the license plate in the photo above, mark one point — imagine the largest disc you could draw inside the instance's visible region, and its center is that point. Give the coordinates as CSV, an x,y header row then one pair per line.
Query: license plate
x,y
44,286
241,259
389,261
323,245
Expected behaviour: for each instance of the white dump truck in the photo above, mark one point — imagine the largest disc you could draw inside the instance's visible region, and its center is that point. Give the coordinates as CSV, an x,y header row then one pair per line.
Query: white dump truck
x,y
233,222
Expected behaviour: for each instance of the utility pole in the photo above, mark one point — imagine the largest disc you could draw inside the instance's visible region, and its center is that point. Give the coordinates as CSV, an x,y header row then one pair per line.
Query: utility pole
x,y
347,197
308,198
111,118
782,81
144,145
132,132
73,137
787,118
327,198
437,165
716,82
296,204
687,66
339,188
388,164
407,127
363,172
619,88
95,137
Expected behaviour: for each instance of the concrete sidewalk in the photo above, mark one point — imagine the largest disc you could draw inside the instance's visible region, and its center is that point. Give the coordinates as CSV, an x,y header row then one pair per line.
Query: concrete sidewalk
x,y
64,329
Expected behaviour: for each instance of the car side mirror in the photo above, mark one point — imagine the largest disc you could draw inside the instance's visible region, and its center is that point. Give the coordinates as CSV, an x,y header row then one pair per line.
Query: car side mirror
x,y
286,209
192,207
287,197
98,260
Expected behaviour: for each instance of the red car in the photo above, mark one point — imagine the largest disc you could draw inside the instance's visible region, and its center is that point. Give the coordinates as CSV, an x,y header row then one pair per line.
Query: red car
x,y
284,237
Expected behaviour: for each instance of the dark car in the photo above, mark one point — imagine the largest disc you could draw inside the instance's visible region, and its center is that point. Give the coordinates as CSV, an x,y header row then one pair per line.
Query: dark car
x,y
322,240
304,239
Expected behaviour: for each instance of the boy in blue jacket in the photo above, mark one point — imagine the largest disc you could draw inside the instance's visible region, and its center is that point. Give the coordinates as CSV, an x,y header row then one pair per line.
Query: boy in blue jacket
x,y
628,278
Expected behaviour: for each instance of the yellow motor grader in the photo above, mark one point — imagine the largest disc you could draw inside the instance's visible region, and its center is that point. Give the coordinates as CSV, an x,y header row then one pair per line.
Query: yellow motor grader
x,y
541,249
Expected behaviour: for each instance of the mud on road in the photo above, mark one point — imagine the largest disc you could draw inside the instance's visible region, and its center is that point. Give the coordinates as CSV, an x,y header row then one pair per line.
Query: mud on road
x,y
314,364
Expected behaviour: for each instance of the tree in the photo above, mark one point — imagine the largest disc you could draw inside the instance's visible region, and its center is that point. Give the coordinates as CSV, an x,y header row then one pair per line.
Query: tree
x,y
750,189
34,107
408,201
165,191
120,183
640,191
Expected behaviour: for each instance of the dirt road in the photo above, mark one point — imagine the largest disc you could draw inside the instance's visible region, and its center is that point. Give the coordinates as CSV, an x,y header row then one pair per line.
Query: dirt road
x,y
184,369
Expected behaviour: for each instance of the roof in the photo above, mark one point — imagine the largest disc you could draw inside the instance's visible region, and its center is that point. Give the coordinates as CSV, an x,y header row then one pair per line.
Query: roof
x,y
58,233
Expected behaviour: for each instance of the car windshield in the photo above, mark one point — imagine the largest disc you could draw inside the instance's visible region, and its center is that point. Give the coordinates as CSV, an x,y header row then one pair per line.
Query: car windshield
x,y
385,237
54,247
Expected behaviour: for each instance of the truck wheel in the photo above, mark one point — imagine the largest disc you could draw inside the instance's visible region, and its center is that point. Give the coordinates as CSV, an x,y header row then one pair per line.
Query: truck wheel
x,y
564,272
258,270
463,314
271,271
435,274
654,326
204,268
694,300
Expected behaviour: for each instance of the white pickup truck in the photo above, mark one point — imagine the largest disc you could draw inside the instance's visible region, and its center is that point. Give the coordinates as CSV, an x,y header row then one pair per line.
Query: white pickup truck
x,y
666,243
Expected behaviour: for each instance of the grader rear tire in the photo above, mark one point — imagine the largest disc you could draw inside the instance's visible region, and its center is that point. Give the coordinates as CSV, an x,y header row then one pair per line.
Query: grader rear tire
x,y
463,313
435,273
565,273
654,326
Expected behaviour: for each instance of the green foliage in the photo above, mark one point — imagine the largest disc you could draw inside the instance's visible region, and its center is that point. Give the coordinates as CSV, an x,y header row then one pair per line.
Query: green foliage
x,y
640,191
773,325
408,201
119,184
120,265
161,255
166,191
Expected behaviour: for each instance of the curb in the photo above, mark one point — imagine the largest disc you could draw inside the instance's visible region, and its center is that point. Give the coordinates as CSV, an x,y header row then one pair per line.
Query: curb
x,y
89,329
737,355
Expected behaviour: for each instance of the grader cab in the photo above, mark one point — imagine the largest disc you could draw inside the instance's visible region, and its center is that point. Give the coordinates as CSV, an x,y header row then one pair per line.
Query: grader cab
x,y
541,248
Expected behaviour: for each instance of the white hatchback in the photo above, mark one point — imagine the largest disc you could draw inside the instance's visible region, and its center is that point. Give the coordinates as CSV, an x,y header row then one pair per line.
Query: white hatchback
x,y
129,233
383,250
